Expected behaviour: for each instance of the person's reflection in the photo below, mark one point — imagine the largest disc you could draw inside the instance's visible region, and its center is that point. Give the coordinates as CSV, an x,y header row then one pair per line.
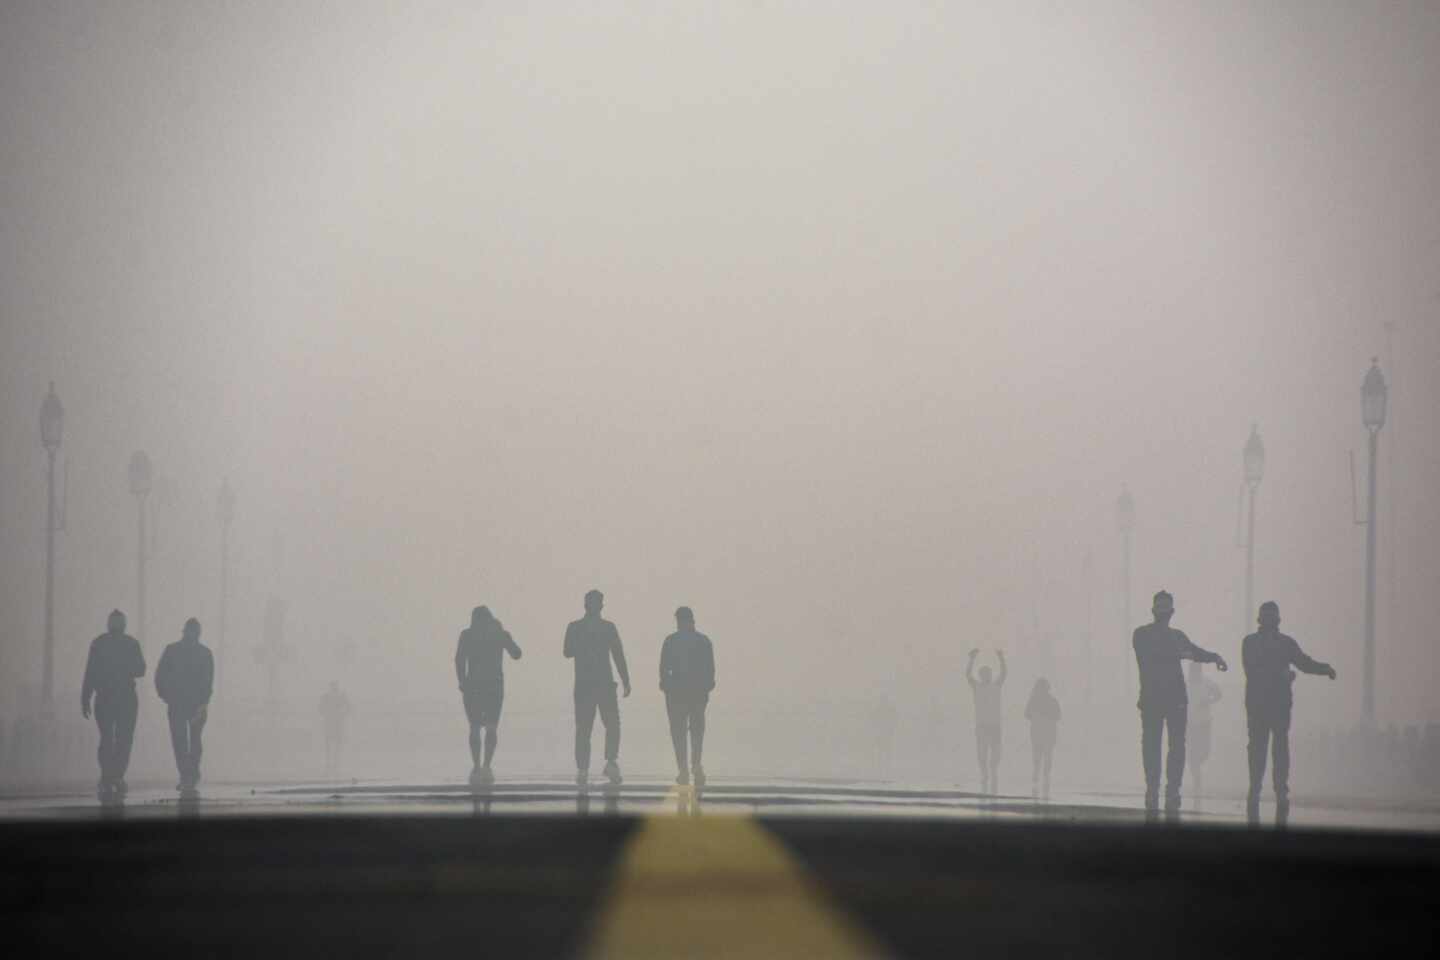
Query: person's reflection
x,y
113,810
188,806
582,803
612,798
480,803
687,803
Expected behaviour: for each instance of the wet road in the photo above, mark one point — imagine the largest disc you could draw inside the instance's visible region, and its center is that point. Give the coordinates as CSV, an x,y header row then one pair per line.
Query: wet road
x,y
777,869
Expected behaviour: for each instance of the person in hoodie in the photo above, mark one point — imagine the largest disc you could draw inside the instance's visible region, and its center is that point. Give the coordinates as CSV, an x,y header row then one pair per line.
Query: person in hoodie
x,y
1043,712
114,664
687,675
185,679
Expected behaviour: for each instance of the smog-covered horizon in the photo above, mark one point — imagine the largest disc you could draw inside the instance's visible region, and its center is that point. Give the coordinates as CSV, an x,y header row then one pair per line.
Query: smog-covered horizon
x,y
845,325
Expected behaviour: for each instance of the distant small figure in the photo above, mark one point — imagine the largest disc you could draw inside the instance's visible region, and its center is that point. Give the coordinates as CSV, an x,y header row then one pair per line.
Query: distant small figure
x,y
987,719
1268,656
479,667
592,642
334,711
687,675
114,664
1159,648
1204,693
1043,712
184,679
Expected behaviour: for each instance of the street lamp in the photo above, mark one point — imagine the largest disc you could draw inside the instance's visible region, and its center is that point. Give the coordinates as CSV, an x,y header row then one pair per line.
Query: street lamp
x,y
1253,458
1125,520
1373,397
142,478
52,430
225,510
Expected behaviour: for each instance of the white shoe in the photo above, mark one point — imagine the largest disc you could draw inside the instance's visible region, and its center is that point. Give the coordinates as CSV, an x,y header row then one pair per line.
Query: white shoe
x,y
612,770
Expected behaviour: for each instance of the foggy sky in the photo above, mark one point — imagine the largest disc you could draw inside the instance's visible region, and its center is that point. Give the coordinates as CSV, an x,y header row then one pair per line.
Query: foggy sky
x,y
841,323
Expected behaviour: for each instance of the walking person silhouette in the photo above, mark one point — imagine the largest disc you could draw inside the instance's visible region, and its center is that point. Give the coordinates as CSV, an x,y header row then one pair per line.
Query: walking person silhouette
x,y
479,668
1163,705
687,675
185,679
114,664
1268,656
1204,693
592,642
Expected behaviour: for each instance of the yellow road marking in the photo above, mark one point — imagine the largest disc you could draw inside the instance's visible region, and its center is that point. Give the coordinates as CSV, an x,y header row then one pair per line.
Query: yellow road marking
x,y
718,886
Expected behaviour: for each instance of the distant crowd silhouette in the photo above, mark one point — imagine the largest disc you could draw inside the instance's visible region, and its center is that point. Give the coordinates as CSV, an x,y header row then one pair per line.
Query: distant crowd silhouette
x,y
185,676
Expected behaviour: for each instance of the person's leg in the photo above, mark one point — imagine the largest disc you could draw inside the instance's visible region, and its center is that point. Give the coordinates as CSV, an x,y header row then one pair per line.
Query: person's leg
x,y
492,724
105,752
610,716
697,730
1036,750
675,712
1175,721
1280,732
127,711
982,754
995,740
1049,756
492,732
1259,735
197,731
1151,723
180,742
585,705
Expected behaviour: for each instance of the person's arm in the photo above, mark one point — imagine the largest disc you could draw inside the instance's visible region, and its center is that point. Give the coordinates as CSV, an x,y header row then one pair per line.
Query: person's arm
x,y
163,670
512,647
570,640
707,664
617,650
666,649
461,662
137,659
207,688
970,667
1305,664
1004,672
1188,651
87,687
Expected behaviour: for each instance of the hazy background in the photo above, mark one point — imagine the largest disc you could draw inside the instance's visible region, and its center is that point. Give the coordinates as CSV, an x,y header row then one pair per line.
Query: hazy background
x,y
842,323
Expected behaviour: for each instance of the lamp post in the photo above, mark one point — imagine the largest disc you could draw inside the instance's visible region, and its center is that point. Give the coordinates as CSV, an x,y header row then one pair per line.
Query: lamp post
x,y
225,510
1253,459
142,477
1125,520
52,429
1373,397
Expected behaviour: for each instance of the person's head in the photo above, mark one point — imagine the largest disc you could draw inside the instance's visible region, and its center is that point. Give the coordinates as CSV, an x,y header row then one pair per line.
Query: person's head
x,y
480,615
1163,607
685,618
1269,615
984,674
116,623
1042,687
594,603
191,633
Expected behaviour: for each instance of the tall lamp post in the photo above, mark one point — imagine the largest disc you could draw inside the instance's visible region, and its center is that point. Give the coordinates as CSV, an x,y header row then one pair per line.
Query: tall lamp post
x,y
225,509
1125,520
142,477
1253,459
52,429
1373,396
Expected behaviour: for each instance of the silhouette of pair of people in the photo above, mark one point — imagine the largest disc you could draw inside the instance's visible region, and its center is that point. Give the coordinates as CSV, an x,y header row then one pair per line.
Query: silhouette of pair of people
x,y
184,679
1267,656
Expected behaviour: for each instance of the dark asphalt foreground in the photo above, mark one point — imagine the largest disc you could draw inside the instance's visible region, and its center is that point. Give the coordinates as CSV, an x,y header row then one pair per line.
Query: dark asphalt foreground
x,y
525,886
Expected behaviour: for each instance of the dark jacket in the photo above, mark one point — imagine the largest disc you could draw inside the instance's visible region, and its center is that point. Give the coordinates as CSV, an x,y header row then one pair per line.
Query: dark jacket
x,y
592,642
1268,658
480,656
185,675
1158,652
687,663
114,664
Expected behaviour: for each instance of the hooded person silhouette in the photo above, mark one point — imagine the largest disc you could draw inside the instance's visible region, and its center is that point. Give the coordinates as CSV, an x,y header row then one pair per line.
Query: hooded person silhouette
x,y
1043,712
687,675
479,668
185,679
114,664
